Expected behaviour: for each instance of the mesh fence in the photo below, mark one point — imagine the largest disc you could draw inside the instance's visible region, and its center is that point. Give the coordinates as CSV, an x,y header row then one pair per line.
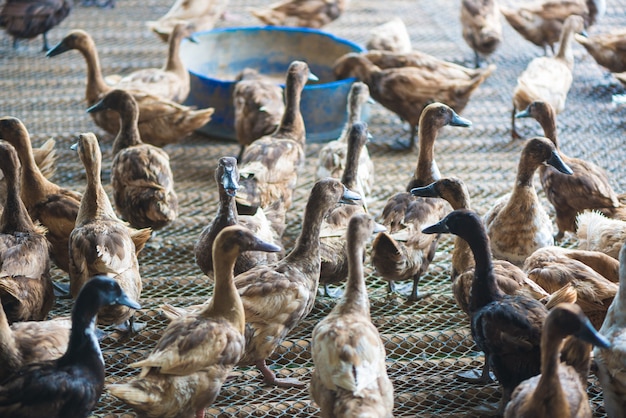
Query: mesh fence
x,y
427,342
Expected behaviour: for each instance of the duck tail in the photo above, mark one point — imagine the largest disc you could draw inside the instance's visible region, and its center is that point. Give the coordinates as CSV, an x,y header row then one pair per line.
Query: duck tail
x,y
139,394
387,256
171,312
140,237
45,158
196,119
566,294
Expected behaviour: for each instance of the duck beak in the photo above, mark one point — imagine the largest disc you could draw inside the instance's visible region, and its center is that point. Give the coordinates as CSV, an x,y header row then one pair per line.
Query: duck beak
x,y
267,247
96,108
313,77
74,146
459,121
370,100
378,228
583,33
58,49
193,39
437,228
349,197
523,114
556,162
123,299
426,191
230,183
589,334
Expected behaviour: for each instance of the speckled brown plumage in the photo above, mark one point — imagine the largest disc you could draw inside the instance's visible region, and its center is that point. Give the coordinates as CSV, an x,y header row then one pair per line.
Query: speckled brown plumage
x,y
481,26
101,243
259,107
53,206
203,14
596,232
161,121
26,19
350,377
608,49
558,392
407,83
303,13
25,285
141,177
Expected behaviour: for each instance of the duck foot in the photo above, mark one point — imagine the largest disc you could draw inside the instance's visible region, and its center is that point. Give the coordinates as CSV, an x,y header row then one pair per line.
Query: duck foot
x,y
61,290
269,378
130,326
488,410
325,291
482,377
200,413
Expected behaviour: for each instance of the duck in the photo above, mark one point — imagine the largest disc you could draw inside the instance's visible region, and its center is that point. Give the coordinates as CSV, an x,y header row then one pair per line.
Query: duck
x,y
161,121
390,36
70,386
506,328
27,19
517,223
481,27
333,244
186,369
227,180
202,14
300,13
259,107
171,81
596,232
555,267
406,83
141,177
548,78
350,373
557,391
543,23
278,296
610,361
403,252
26,290
269,166
53,206
332,158
101,243
607,49
587,188
27,342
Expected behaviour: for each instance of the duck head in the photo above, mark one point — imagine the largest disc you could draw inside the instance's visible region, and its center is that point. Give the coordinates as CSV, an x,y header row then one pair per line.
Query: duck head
x,y
227,175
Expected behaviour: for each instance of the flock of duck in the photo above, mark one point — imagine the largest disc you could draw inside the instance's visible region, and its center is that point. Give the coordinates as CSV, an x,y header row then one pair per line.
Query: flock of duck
x,y
535,308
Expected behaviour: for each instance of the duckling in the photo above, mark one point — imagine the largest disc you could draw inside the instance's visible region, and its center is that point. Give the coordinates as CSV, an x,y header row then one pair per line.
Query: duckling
x,y
227,178
403,252
517,223
611,361
333,245
161,121
53,206
350,374
608,49
482,29
587,188
29,342
25,285
557,391
101,243
332,158
555,267
270,165
26,19
302,13
185,371
391,36
506,328
543,23
202,14
171,81
548,78
142,180
259,106
70,386
407,83
596,232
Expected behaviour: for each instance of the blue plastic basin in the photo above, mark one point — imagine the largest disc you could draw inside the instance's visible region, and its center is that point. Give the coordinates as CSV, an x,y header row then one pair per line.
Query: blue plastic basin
x,y
221,54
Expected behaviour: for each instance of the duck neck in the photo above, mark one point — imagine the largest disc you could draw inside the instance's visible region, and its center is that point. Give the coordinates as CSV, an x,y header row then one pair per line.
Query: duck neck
x,y
525,173
355,298
426,170
14,217
9,353
351,171
83,346
174,64
308,243
227,208
461,254
34,184
95,203
96,86
292,122
484,288
549,385
128,134
226,301
548,124
565,51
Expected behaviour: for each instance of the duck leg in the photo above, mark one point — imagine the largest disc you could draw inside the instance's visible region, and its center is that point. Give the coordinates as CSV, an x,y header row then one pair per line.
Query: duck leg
x,y
130,326
412,139
269,378
477,59
46,47
240,156
514,134
473,377
415,294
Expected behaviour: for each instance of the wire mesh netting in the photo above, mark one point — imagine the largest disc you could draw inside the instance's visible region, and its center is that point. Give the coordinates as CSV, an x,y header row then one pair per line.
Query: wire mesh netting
x,y
427,342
